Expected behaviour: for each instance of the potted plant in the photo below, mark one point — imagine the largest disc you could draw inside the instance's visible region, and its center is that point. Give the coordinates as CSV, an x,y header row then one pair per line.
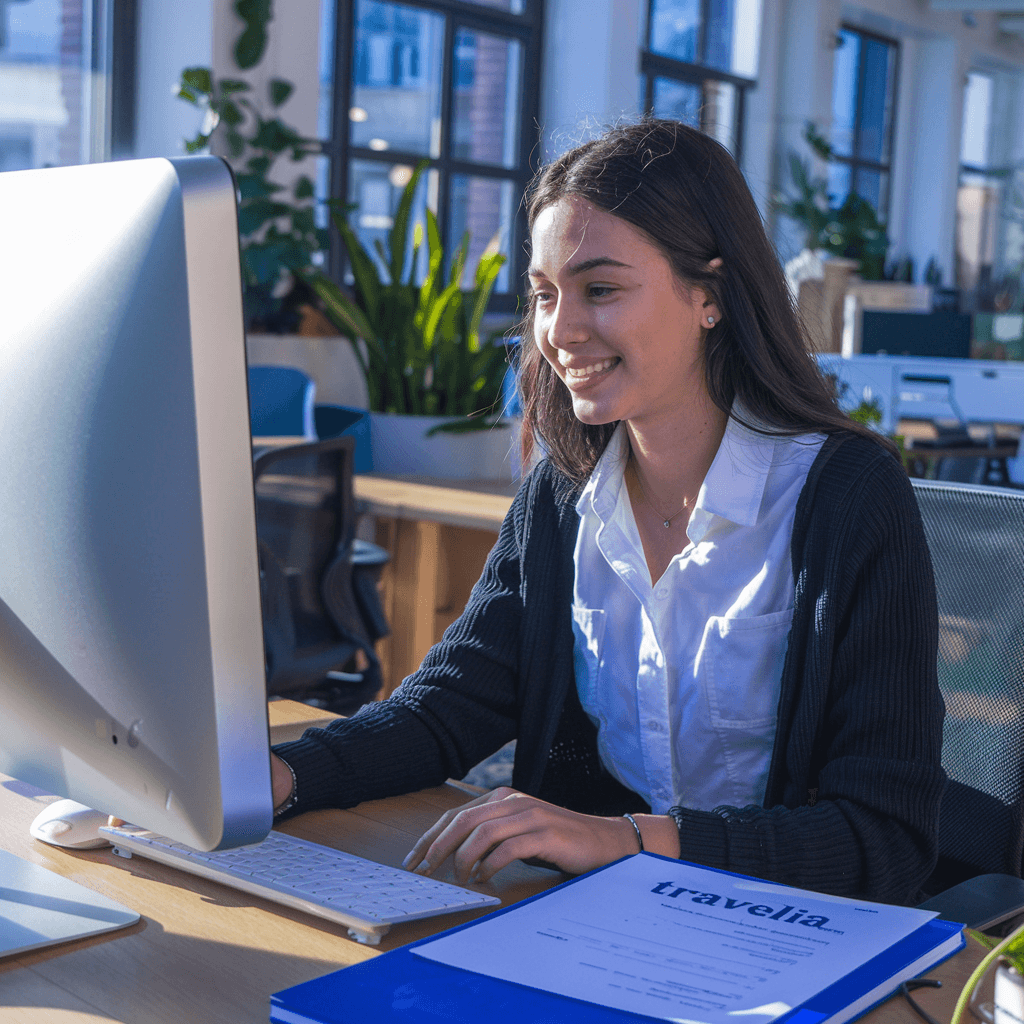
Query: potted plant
x,y
850,229
1007,956
434,385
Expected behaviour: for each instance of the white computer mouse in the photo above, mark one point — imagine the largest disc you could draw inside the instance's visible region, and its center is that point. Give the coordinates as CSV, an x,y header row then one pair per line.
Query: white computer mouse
x,y
69,823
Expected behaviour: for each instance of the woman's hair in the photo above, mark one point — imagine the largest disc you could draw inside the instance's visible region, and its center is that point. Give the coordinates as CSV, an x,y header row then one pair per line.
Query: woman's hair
x,y
687,195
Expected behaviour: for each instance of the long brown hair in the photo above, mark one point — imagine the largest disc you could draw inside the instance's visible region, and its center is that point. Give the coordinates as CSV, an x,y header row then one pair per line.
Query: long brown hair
x,y
687,195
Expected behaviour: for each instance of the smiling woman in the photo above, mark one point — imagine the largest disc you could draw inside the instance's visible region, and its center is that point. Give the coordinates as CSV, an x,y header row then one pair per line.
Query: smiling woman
x,y
709,620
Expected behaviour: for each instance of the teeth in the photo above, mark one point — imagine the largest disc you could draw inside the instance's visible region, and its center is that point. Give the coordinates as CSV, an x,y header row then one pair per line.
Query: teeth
x,y
586,371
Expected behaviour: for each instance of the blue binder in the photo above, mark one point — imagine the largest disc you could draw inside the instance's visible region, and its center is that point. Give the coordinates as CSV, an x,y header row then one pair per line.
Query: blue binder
x,y
400,987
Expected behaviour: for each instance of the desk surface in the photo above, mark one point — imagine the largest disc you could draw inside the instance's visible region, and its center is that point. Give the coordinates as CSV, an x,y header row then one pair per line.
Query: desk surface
x,y
206,953
478,504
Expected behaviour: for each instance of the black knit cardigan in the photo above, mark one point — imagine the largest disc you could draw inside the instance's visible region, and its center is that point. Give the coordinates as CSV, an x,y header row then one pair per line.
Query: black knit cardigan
x,y
853,790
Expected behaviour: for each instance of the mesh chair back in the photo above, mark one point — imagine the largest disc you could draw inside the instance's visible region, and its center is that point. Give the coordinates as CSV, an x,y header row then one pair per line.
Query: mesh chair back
x,y
976,539
305,522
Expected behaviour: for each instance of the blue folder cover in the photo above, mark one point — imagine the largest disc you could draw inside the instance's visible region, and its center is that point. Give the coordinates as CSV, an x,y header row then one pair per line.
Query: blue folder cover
x,y
400,987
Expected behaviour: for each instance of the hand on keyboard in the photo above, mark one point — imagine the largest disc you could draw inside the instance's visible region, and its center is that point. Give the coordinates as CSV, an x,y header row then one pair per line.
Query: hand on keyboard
x,y
504,825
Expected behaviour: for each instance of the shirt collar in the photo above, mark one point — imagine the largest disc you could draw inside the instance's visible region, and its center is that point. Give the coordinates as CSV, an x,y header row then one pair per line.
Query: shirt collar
x,y
732,489
602,490
735,483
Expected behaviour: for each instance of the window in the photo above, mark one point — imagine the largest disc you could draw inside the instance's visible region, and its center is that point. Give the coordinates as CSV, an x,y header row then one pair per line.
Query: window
x,y
449,81
699,59
56,97
863,112
989,203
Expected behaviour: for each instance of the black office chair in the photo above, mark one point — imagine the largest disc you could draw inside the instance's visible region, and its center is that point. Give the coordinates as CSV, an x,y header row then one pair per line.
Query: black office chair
x,y
318,581
976,539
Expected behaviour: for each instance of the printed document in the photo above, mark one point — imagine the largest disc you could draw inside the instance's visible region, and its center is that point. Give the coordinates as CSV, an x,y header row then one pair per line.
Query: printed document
x,y
679,942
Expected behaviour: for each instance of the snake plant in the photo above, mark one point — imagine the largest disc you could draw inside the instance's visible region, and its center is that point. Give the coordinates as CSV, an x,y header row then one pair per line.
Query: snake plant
x,y
418,345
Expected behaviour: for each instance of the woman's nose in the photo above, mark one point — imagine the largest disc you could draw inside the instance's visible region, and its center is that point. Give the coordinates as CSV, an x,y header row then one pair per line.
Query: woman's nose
x,y
567,325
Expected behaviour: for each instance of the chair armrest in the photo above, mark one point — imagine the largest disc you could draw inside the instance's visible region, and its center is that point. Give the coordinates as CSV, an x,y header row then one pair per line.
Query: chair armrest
x,y
980,902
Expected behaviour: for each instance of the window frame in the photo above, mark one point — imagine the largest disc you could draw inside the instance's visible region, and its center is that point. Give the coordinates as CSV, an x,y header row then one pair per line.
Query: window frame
x,y
526,28
854,162
657,65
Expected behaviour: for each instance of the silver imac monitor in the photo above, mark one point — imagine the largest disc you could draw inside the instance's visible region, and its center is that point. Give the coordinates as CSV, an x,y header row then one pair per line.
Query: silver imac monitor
x,y
131,651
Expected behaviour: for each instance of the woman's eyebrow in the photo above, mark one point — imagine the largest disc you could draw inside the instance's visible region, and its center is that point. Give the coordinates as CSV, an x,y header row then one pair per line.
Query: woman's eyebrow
x,y
581,268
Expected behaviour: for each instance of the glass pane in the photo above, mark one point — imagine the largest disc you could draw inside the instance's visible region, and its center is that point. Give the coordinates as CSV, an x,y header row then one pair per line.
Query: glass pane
x,y
870,185
52,102
484,207
486,95
838,183
675,25
678,100
844,91
876,103
974,138
718,115
375,189
396,87
746,38
718,42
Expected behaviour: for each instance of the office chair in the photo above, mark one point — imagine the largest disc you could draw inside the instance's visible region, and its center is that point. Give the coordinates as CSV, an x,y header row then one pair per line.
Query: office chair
x,y
281,402
318,581
976,539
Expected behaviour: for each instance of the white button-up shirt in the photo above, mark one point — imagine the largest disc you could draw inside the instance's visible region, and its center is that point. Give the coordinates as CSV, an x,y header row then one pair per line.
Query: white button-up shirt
x,y
681,676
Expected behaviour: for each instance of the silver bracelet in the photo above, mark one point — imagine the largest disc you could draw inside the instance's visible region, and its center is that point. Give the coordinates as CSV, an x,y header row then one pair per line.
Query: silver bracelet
x,y
636,828
292,796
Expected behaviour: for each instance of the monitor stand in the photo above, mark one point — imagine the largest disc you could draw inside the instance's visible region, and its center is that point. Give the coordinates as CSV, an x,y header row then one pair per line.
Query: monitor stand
x,y
39,908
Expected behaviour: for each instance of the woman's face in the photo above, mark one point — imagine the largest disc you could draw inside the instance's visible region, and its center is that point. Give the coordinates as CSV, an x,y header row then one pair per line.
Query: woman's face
x,y
622,332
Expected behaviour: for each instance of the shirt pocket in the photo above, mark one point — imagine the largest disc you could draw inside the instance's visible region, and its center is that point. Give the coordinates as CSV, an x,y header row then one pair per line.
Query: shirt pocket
x,y
588,635
741,662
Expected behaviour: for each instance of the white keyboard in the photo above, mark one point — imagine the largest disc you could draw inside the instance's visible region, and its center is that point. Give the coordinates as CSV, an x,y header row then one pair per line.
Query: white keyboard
x,y
365,897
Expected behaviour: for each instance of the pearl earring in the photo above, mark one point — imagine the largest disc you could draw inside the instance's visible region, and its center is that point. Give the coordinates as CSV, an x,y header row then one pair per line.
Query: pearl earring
x,y
711,321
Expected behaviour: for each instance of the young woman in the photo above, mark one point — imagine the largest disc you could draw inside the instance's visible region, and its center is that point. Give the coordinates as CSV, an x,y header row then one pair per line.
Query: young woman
x,y
709,619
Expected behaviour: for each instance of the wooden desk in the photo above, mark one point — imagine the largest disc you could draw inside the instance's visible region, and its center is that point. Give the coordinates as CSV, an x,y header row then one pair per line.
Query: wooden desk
x,y
438,534
207,953
204,952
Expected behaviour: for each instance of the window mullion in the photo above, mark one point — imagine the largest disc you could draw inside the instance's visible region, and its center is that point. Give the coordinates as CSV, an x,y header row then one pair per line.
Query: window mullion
x,y
344,46
444,183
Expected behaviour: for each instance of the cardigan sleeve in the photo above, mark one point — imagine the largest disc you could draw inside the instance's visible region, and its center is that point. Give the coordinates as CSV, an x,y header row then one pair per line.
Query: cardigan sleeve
x,y
856,764
456,709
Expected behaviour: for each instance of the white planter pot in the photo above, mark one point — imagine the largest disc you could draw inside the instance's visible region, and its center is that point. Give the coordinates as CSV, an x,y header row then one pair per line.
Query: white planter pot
x,y
400,446
1008,996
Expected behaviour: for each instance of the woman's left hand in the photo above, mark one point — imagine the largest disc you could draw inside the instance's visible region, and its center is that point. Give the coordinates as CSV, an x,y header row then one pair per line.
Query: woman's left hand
x,y
504,825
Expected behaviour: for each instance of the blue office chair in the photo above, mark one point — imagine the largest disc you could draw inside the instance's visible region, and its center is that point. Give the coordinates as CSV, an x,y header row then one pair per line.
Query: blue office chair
x,y
281,402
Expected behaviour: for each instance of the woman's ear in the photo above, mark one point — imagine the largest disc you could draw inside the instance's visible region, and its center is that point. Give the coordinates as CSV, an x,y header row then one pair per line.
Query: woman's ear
x,y
709,313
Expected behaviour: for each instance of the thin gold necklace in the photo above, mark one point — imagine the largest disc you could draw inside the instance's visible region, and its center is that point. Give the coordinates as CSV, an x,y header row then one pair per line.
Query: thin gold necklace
x,y
666,521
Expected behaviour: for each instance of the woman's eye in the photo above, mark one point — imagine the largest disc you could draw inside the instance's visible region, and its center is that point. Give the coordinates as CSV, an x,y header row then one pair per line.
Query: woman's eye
x,y
599,291
542,297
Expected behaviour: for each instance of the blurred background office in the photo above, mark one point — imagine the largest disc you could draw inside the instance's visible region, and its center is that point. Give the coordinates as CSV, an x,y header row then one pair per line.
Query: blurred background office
x,y
917,107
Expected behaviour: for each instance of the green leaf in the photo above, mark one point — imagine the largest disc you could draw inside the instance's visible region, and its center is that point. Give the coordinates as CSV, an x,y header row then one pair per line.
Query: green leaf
x,y
230,86
487,271
231,114
341,310
397,237
250,46
280,90
364,270
198,79
255,186
304,188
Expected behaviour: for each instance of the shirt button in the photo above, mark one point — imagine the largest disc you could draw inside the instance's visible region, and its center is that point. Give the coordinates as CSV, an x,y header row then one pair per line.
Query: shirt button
x,y
654,725
661,592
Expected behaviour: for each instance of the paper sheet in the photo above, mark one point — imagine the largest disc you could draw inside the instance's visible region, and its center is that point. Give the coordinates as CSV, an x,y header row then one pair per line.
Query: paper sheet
x,y
678,942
